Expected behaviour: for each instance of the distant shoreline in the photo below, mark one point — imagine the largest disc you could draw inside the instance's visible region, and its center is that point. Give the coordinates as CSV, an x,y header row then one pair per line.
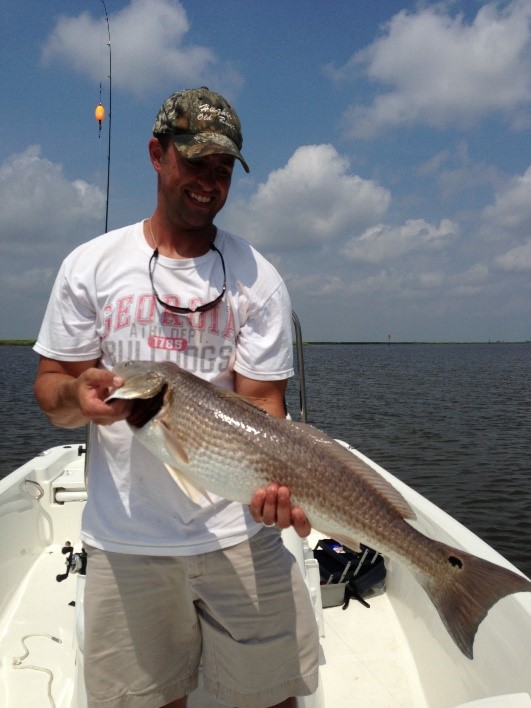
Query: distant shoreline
x,y
17,342
31,342
397,343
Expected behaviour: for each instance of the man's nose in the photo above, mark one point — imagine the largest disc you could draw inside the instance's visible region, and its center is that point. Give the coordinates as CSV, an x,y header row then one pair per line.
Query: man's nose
x,y
207,177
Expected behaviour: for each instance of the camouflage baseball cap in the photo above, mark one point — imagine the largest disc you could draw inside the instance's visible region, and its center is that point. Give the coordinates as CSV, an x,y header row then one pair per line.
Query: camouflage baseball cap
x,y
200,122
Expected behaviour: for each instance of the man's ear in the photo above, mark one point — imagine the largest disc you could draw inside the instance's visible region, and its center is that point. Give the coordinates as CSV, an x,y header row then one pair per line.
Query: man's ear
x,y
155,153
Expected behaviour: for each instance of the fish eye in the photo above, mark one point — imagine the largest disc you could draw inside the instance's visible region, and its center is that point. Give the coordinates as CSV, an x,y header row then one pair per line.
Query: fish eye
x,y
456,562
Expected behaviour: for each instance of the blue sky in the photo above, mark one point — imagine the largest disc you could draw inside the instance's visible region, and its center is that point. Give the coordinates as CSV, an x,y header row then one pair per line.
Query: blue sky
x,y
389,145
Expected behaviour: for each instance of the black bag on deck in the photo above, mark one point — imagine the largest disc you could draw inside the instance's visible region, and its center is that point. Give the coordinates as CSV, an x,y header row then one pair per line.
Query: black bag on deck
x,y
346,573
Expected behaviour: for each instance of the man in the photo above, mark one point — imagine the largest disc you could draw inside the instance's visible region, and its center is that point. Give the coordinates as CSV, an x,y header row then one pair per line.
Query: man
x,y
170,580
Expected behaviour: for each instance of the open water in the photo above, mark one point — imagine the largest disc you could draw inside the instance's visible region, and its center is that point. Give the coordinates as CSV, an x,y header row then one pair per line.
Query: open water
x,y
450,420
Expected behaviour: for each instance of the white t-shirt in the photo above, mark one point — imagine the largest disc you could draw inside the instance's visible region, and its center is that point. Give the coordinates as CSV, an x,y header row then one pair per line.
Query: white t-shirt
x,y
102,307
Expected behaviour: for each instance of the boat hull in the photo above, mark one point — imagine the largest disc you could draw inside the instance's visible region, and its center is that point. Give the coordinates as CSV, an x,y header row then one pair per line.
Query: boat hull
x,y
395,653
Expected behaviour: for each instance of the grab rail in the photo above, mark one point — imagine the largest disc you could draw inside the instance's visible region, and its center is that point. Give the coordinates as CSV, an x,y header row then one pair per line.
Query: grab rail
x,y
300,366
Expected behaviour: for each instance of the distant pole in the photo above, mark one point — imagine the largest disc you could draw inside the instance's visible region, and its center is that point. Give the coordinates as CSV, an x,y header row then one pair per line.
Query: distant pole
x,y
388,339
110,118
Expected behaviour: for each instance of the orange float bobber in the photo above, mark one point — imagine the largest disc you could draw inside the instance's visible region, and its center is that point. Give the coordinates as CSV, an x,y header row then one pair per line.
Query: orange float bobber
x,y
99,113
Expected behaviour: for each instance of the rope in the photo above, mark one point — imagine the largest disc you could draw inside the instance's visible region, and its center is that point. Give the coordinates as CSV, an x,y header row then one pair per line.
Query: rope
x,y
17,661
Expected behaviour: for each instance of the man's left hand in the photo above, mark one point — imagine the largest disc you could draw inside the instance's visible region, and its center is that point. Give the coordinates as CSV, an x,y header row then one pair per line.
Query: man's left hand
x,y
272,506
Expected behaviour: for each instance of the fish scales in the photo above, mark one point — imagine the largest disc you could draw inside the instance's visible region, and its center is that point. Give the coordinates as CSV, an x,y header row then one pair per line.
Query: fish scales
x,y
214,441
217,430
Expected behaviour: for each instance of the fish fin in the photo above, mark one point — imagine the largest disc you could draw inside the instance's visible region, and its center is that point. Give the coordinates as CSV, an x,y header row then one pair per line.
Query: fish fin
x,y
193,493
347,458
173,445
232,395
468,591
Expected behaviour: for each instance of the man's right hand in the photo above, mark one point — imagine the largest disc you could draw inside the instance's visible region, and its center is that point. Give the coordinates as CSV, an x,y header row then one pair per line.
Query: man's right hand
x,y
74,393
92,388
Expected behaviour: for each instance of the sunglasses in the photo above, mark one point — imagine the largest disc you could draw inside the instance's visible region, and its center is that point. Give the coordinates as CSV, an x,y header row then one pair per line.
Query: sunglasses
x,y
186,310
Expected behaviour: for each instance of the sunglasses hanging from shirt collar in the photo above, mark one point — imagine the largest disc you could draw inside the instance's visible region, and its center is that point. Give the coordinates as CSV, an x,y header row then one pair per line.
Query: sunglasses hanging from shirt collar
x,y
186,310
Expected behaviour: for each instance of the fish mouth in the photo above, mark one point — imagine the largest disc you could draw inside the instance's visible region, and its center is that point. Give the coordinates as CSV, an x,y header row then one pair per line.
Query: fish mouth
x,y
144,409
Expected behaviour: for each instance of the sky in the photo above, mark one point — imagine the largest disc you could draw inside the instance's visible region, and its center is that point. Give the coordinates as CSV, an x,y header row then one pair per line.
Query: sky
x,y
389,144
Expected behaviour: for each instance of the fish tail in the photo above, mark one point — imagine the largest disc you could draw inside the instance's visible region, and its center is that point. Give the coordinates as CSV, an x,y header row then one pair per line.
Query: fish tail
x,y
470,588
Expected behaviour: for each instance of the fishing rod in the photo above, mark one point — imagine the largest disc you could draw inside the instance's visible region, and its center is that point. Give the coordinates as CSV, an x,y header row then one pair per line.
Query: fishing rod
x,y
99,114
110,117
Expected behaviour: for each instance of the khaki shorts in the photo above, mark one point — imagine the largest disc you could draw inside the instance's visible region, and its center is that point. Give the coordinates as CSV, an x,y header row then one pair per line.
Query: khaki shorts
x,y
244,611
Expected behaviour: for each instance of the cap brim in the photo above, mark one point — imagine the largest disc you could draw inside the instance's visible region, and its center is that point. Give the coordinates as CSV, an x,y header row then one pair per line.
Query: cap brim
x,y
196,145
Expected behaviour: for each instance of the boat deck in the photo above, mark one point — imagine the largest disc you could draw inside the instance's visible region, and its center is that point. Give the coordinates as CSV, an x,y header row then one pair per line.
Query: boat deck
x,y
364,657
394,653
365,660
37,652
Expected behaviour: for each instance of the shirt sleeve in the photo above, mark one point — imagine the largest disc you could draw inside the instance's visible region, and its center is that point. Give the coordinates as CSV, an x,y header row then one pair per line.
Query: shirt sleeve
x,y
264,347
68,330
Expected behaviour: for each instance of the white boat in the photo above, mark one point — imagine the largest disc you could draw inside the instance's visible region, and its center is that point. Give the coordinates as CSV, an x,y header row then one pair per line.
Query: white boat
x,y
396,653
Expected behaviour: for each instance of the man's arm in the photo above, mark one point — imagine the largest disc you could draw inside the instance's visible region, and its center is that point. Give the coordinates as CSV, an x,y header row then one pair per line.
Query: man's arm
x,y
268,395
73,393
272,504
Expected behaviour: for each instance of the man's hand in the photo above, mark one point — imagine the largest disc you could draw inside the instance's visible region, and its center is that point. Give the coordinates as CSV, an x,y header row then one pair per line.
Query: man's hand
x,y
73,393
92,388
272,505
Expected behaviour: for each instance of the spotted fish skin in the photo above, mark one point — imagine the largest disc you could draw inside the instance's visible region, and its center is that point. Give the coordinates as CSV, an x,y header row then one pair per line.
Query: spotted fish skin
x,y
212,440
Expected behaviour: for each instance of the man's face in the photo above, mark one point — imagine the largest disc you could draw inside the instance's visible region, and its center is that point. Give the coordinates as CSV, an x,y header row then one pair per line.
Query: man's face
x,y
195,190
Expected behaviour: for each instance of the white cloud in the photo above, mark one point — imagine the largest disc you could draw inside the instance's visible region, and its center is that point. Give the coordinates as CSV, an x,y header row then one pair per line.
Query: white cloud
x,y
469,282
456,174
434,164
40,206
444,71
383,243
149,49
312,201
511,210
28,282
315,284
516,259
395,282
44,215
